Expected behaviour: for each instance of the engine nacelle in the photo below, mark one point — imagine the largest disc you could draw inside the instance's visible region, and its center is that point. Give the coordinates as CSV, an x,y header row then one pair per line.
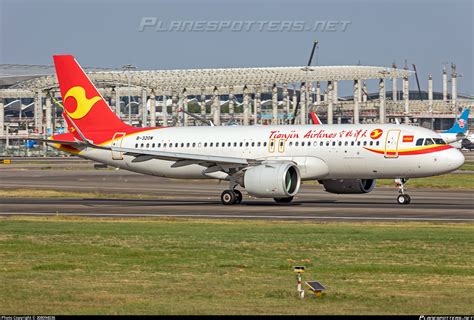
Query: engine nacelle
x,y
273,180
349,185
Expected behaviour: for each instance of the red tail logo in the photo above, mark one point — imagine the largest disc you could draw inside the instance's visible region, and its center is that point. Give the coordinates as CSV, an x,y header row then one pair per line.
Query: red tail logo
x,y
83,105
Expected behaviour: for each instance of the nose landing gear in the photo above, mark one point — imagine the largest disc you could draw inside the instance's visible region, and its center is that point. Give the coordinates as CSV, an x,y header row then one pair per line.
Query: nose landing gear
x,y
402,197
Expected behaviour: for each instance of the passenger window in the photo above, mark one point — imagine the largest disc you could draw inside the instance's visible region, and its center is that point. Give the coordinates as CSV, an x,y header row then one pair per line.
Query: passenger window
x,y
365,143
141,146
321,143
333,143
136,145
265,144
211,144
217,144
147,145
358,143
377,143
371,143
187,144
352,143
199,145
419,142
340,143
153,145
241,144
296,143
428,141
327,143
246,144
291,143
235,144
315,143
159,145
346,143
164,145
182,144
253,144
302,143
194,144
259,144
229,144
205,144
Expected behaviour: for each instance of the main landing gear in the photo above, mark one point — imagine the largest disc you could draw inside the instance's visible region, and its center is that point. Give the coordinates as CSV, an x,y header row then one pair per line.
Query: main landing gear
x,y
231,196
402,197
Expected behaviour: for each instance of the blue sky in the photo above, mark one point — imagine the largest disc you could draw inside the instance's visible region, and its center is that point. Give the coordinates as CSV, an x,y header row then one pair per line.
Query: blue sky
x,y
105,33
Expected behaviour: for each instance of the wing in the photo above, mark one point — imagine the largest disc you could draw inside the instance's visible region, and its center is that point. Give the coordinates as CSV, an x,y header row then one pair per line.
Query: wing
x,y
213,163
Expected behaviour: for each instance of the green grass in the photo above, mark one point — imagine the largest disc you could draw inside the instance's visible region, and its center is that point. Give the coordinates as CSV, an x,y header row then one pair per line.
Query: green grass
x,y
446,181
467,166
165,266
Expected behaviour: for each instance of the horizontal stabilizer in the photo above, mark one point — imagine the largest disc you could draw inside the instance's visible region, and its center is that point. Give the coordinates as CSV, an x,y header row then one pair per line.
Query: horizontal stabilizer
x,y
63,142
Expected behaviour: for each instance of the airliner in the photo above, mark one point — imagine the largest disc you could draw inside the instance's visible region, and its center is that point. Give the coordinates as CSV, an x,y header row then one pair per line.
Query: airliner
x,y
458,131
265,161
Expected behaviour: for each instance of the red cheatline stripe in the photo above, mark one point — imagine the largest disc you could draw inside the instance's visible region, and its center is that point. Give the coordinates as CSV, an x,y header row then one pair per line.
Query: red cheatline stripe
x,y
412,152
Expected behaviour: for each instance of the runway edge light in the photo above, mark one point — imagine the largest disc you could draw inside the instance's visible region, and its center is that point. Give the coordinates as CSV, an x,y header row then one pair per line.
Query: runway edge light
x,y
299,270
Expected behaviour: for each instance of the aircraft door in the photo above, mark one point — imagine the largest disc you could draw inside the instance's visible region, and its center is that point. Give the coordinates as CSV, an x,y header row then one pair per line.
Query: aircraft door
x,y
272,145
391,144
117,142
281,145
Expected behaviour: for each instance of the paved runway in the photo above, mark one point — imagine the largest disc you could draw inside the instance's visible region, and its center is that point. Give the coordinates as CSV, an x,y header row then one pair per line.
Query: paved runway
x,y
201,198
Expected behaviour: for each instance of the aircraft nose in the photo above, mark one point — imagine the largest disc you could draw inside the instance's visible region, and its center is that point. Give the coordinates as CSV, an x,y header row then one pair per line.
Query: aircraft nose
x,y
453,159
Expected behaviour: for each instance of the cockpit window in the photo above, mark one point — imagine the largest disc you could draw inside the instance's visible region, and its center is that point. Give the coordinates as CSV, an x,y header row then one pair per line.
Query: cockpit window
x,y
419,142
428,141
439,141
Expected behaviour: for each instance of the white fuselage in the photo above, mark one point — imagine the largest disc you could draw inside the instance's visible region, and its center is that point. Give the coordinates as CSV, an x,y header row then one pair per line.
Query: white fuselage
x,y
321,152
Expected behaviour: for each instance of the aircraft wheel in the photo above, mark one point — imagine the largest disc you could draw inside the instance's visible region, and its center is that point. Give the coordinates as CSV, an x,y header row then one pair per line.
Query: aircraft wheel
x,y
408,198
283,200
403,199
228,197
238,196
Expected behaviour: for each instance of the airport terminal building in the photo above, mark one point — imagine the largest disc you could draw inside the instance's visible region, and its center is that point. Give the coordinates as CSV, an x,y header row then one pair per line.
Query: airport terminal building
x,y
30,102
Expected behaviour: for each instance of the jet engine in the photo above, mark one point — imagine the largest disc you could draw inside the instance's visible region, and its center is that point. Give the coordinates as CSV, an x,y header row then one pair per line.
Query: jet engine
x,y
273,180
343,186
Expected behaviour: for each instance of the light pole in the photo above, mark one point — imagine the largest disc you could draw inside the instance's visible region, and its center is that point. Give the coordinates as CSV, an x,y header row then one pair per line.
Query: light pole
x,y
7,142
129,67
